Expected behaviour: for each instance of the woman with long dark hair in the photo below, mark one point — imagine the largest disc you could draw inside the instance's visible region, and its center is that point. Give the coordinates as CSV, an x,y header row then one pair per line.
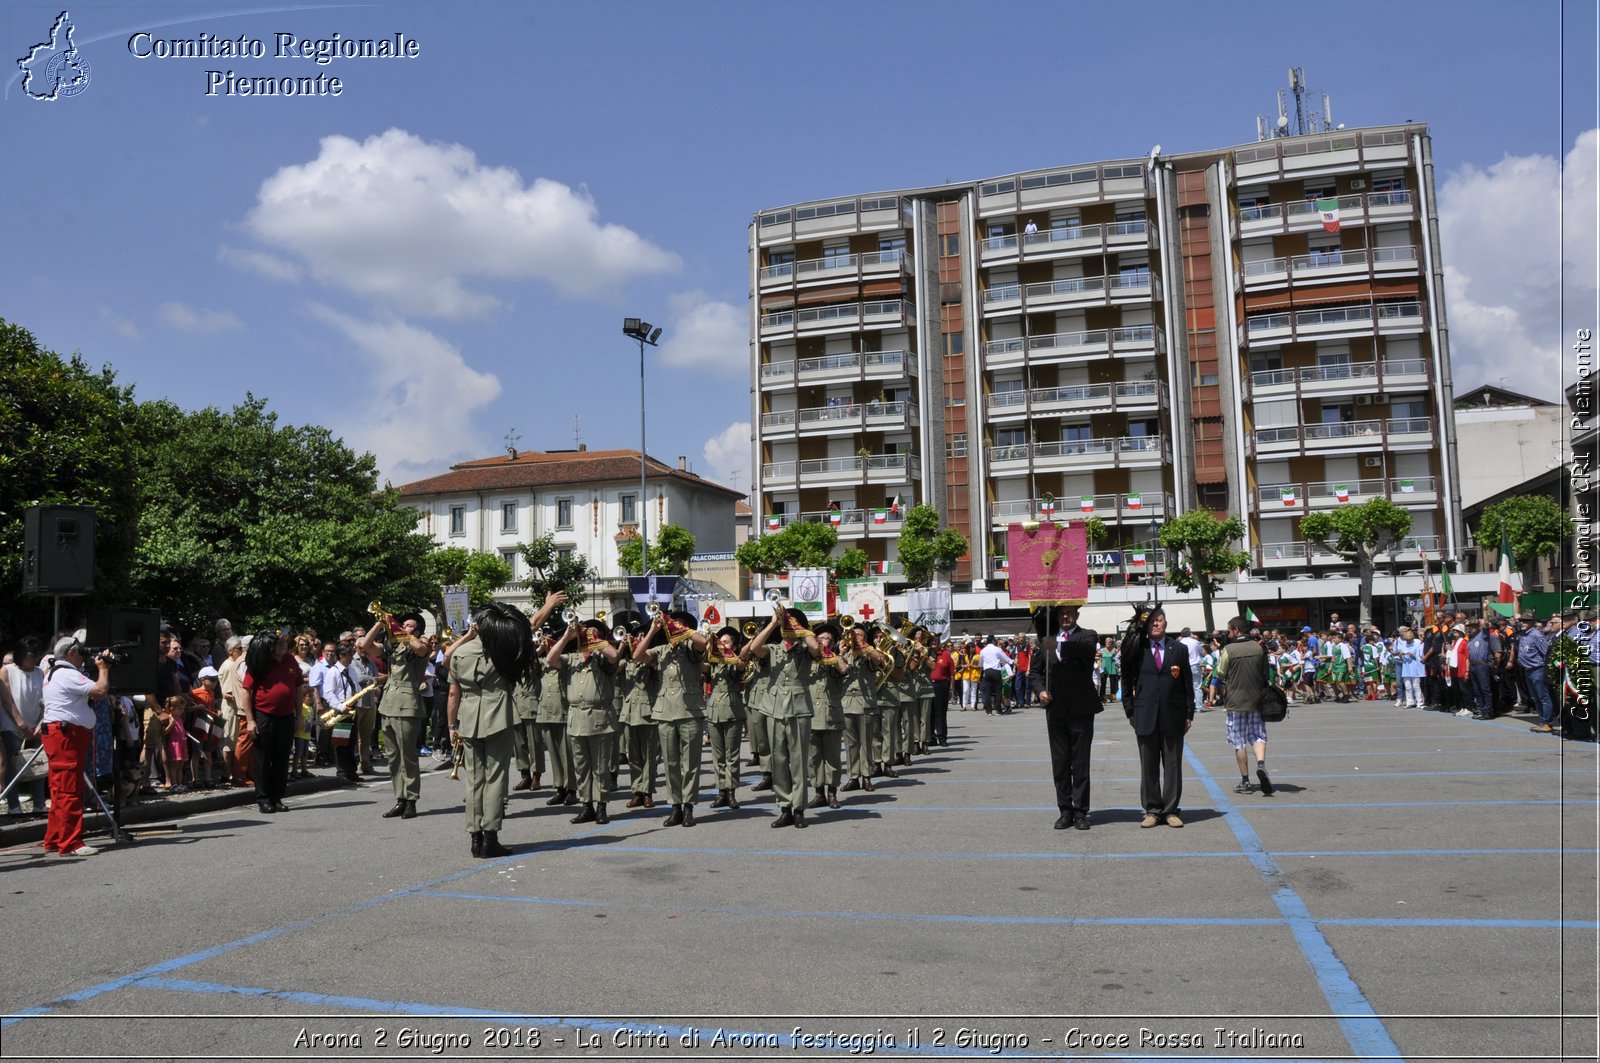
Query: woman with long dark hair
x,y
272,687
484,671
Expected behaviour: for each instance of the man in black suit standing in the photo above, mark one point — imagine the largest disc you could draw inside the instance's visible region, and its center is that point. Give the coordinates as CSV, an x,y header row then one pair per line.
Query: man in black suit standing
x,y
1161,711
1063,671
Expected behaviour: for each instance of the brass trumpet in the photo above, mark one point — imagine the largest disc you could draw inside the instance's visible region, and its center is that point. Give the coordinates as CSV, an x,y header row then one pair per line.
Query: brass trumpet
x,y
455,760
751,629
569,616
847,622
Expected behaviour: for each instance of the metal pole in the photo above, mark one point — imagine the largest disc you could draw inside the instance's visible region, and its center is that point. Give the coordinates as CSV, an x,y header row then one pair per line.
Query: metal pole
x,y
644,530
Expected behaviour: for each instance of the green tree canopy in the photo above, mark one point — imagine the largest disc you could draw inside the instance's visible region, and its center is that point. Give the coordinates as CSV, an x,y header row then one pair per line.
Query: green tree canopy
x,y
1535,525
481,572
1202,549
268,524
925,549
63,443
1359,533
669,554
549,571
803,544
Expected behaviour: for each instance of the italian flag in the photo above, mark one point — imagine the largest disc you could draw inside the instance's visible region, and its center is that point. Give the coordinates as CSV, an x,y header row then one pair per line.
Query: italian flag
x,y
1342,492
835,517
1137,559
1134,501
1329,209
1510,580
1047,505
880,515
1086,503
1407,487
1287,494
879,568
1002,563
774,522
895,506
1250,615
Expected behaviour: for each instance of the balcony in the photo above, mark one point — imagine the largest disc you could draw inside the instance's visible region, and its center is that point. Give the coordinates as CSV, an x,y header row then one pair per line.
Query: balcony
x,y
1069,292
1357,377
1065,241
853,522
1112,509
887,366
843,472
1302,215
1069,455
1376,436
845,419
1334,323
1088,398
836,269
1062,348
844,317
1329,266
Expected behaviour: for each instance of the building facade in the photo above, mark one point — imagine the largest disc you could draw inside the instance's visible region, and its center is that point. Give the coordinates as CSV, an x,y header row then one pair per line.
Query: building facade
x,y
588,500
1258,330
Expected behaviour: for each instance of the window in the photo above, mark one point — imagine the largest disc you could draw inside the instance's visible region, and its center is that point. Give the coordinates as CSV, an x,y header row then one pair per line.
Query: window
x,y
1338,414
510,558
1130,214
1389,184
563,512
955,343
950,246
563,553
780,263
630,509
1010,437
891,241
1066,226
956,446
508,517
1075,432
458,520
1408,406
835,253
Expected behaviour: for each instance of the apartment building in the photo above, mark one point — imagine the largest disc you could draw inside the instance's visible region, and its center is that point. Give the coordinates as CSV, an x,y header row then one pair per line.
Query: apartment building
x,y
1257,329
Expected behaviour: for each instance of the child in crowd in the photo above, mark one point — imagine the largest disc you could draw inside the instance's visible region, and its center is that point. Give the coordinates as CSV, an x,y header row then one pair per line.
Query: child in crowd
x,y
176,750
304,721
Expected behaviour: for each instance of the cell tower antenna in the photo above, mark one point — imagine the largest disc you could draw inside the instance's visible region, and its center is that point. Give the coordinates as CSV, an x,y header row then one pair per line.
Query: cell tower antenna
x,y
1301,123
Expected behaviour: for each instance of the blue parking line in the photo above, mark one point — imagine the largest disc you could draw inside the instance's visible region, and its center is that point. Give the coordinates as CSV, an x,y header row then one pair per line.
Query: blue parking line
x,y
933,854
1297,776
1270,806
1358,1020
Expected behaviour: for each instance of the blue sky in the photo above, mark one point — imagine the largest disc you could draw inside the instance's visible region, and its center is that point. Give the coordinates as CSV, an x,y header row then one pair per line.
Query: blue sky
x,y
445,251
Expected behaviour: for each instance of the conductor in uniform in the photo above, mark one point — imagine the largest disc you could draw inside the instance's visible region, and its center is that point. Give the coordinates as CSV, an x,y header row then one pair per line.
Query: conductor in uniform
x,y
1160,708
1063,671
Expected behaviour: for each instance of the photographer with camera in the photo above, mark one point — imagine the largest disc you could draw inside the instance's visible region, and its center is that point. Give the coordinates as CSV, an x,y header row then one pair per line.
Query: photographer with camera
x,y
67,728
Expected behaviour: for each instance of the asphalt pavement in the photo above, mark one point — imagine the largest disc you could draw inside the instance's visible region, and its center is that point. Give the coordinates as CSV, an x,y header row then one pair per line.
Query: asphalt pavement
x,y
1418,887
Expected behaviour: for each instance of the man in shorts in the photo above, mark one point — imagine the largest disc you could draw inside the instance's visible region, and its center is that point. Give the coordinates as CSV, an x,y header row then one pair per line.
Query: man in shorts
x,y
1242,669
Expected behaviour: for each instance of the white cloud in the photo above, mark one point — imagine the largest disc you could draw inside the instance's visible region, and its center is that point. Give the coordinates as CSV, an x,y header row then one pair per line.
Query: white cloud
x,y
409,223
186,318
1501,229
270,266
705,333
120,325
420,418
728,456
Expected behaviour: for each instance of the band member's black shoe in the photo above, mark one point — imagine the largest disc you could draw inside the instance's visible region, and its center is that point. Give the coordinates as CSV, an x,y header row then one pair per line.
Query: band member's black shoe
x,y
587,815
853,784
524,783
866,785
721,800
410,812
675,819
765,783
600,815
571,798
398,810
799,817
688,815
819,799
477,843
833,797
558,798
785,818
733,800
492,847
890,772
636,801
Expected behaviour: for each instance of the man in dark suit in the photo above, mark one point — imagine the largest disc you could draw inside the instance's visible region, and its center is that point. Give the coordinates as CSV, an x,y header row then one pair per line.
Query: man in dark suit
x,y
1161,712
1063,672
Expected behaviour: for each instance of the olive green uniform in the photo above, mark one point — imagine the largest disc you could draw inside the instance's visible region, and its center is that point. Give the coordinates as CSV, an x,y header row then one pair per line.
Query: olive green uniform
x,y
886,743
552,727
591,721
725,719
484,720
758,695
679,712
789,722
637,684
525,701
827,725
404,715
859,701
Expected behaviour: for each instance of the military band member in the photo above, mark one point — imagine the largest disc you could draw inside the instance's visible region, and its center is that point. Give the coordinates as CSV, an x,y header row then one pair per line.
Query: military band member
x,y
793,658
827,718
591,712
757,696
680,706
920,722
860,701
401,707
551,725
891,697
525,700
638,686
483,670
725,713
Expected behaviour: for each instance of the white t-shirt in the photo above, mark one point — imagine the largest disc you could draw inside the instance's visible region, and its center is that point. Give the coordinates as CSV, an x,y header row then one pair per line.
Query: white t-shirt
x,y
66,697
1197,650
992,658
27,690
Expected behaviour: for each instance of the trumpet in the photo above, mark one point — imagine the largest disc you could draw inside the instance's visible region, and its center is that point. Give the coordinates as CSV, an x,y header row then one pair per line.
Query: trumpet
x,y
569,616
652,610
375,607
775,596
455,761
751,629
847,622
620,632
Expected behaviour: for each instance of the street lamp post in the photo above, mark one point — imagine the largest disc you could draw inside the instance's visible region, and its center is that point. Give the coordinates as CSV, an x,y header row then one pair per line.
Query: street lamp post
x,y
1155,558
640,330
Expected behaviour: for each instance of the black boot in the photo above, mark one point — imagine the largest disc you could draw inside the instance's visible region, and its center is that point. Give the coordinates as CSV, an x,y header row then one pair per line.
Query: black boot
x,y
492,847
786,817
853,784
799,817
733,800
558,798
524,783
587,815
477,843
866,784
398,809
721,800
765,783
819,799
600,815
688,815
833,797
571,798
410,812
675,818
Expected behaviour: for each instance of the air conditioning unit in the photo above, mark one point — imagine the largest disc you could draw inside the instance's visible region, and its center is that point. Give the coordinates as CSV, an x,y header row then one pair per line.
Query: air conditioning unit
x,y
1358,183
1363,400
1374,461
1381,398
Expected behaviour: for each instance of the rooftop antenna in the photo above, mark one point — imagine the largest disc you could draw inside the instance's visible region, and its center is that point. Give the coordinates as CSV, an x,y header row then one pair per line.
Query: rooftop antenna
x,y
1301,123
577,434
511,438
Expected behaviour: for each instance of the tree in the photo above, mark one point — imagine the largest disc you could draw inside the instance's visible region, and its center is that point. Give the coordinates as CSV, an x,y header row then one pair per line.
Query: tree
x,y
1359,533
850,564
1535,525
550,571
267,524
63,442
481,572
1203,553
1095,531
669,554
924,549
803,544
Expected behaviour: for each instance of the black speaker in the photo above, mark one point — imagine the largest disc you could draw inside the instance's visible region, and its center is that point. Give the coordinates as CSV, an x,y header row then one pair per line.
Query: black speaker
x,y
58,550
136,635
